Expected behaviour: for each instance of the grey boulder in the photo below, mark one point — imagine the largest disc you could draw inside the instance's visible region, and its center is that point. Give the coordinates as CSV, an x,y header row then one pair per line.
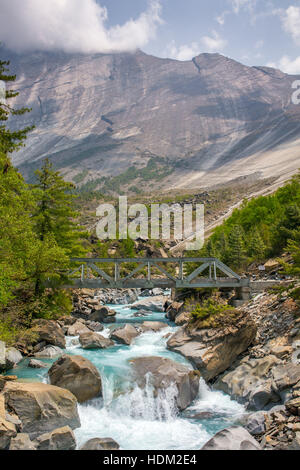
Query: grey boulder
x,y
233,438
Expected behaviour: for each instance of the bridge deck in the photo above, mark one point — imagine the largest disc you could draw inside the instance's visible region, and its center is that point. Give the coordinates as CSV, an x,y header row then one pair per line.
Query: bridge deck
x,y
92,273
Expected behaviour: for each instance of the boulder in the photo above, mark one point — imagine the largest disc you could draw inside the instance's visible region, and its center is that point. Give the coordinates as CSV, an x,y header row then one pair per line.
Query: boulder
x,y
103,314
22,441
94,341
293,406
256,423
35,364
59,439
174,309
49,352
78,375
95,326
251,382
213,350
6,378
163,373
182,318
2,356
153,304
13,357
7,429
233,438
78,329
125,335
101,444
41,407
152,326
49,331
286,375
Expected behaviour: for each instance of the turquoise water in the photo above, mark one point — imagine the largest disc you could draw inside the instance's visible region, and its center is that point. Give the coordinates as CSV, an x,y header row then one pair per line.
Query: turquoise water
x,y
135,418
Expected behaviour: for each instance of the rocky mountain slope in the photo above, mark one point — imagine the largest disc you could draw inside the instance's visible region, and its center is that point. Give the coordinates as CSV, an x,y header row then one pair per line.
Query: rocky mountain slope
x,y
202,122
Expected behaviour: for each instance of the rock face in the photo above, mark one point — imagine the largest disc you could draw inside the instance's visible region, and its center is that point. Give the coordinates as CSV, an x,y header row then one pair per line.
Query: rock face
x,y
101,444
59,439
164,373
212,351
21,442
94,341
50,332
7,429
41,407
78,375
234,438
211,105
125,335
259,383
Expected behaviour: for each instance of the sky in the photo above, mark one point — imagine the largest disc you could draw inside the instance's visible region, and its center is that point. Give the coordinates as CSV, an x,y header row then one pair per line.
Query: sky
x,y
254,32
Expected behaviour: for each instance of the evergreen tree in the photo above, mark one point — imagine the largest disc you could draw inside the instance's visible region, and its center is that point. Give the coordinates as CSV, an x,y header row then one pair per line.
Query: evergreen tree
x,y
257,248
236,247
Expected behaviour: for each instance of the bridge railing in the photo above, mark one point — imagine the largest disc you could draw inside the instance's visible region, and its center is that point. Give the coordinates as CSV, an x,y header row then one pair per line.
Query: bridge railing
x,y
206,272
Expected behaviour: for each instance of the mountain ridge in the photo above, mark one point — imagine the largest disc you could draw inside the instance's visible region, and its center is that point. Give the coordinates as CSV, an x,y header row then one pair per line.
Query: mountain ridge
x,y
208,120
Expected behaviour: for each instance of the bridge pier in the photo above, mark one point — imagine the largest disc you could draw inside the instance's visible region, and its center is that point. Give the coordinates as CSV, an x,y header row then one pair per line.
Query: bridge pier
x,y
242,295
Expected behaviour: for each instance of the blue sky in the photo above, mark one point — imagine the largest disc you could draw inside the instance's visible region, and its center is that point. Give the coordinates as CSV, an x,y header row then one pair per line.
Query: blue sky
x,y
254,32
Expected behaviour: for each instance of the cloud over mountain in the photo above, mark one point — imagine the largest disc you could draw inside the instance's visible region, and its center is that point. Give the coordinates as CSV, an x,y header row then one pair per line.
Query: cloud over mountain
x,y
73,26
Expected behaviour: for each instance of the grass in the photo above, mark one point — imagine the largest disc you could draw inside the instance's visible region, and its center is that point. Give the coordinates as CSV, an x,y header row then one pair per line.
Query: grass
x,y
210,313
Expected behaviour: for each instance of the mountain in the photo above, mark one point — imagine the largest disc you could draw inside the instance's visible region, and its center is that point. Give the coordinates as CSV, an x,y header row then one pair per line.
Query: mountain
x,y
175,124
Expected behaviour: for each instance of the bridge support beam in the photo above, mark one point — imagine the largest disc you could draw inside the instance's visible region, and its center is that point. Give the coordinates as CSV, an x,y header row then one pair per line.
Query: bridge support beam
x,y
242,295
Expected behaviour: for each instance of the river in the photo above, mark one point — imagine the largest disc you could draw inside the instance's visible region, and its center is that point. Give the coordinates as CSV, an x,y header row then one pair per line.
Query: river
x,y
135,418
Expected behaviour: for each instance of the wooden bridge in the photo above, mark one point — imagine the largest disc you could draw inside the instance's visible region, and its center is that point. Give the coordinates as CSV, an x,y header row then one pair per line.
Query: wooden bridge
x,y
148,273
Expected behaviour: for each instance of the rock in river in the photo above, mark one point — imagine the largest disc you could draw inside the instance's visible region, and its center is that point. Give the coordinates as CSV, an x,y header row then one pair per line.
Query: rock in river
x,y
163,373
101,444
125,335
78,375
41,407
213,350
94,341
50,332
234,438
59,439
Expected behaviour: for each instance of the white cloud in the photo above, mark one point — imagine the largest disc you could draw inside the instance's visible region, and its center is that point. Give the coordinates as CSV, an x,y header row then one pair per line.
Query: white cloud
x,y
291,22
73,26
287,65
214,43
238,5
184,52
188,51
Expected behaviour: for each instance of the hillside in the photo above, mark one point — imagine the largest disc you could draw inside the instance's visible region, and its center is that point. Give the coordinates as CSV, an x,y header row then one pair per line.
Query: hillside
x,y
155,122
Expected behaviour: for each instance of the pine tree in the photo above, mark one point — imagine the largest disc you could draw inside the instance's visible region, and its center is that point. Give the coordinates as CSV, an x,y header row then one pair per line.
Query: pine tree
x,y
236,247
257,248
54,219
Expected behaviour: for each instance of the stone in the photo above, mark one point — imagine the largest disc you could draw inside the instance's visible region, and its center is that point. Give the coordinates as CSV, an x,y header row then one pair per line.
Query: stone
x,y
174,309
49,331
49,352
281,351
7,429
6,378
59,439
182,318
256,423
77,329
293,406
95,326
153,326
212,351
101,444
22,441
12,357
163,373
2,356
250,382
35,364
286,376
78,375
41,407
125,335
103,314
233,438
153,304
94,341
